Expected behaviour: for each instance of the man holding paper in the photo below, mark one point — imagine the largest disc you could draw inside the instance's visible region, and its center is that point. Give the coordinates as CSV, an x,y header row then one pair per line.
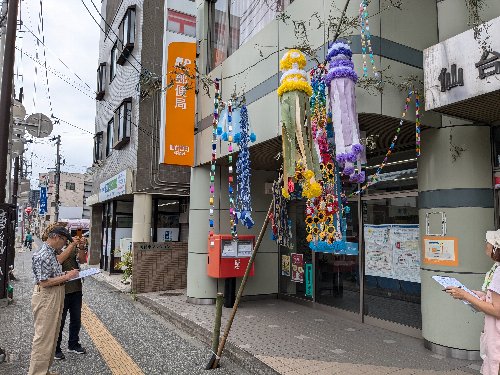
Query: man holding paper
x,y
489,303
48,296
73,299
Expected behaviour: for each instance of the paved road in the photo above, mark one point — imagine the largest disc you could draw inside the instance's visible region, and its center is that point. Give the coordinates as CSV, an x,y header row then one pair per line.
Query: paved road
x,y
120,335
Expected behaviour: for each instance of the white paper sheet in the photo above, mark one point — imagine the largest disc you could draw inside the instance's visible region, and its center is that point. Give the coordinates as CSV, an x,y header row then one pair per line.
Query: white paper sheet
x,y
86,273
447,281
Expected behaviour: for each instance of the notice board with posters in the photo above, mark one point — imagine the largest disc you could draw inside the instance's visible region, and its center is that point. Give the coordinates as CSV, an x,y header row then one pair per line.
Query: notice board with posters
x,y
391,250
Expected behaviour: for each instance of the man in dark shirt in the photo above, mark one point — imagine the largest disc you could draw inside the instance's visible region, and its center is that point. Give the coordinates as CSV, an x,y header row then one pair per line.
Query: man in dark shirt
x,y
72,301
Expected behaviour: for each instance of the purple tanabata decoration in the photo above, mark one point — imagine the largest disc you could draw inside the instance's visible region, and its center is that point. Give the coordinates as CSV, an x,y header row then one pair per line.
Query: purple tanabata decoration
x,y
341,80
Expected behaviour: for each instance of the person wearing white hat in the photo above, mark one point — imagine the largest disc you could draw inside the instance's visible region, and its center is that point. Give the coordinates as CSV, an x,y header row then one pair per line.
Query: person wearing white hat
x,y
489,304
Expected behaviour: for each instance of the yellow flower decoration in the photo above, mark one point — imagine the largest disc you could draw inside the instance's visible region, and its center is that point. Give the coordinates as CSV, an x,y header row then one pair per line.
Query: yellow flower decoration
x,y
293,56
309,238
287,86
309,219
308,229
315,230
308,174
322,236
285,193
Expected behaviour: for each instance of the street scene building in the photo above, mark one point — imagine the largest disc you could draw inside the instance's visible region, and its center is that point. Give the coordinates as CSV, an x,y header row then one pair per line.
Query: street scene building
x,y
282,186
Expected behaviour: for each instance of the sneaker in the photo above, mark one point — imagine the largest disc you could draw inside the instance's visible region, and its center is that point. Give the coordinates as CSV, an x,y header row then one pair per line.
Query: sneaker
x,y
78,350
59,356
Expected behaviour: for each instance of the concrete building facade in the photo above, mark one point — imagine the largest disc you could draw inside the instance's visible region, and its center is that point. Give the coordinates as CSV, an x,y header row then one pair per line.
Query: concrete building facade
x,y
446,193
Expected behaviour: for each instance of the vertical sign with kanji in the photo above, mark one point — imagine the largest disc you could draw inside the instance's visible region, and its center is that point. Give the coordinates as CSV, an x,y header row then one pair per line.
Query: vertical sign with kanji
x,y
180,104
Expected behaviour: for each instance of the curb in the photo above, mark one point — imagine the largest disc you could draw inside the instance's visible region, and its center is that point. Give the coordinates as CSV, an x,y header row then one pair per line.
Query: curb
x,y
242,358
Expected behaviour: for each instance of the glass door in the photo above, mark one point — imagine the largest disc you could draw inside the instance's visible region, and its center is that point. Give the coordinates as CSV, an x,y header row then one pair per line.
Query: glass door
x,y
392,259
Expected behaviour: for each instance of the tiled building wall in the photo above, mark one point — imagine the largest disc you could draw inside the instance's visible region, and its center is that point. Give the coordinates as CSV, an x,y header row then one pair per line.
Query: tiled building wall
x,y
164,269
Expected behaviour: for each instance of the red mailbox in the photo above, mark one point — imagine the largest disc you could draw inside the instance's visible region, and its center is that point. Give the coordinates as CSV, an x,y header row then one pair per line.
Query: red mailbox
x,y
228,258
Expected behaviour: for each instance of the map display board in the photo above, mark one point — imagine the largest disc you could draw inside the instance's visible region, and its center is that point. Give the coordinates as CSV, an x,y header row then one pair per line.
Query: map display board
x,y
391,250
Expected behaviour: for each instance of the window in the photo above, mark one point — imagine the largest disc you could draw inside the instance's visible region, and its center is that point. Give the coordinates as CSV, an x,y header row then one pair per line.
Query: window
x,y
70,186
123,120
101,81
127,35
235,22
110,133
112,66
98,147
181,23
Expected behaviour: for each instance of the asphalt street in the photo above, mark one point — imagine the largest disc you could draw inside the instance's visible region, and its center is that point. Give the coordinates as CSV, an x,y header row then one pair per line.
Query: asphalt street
x,y
120,335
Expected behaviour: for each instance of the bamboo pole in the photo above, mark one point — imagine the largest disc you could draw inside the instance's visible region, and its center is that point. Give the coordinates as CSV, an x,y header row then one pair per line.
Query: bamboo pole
x,y
242,287
216,333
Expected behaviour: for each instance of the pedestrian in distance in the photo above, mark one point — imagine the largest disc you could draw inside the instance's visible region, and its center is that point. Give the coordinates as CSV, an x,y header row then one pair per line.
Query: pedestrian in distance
x,y
28,241
489,304
48,296
72,300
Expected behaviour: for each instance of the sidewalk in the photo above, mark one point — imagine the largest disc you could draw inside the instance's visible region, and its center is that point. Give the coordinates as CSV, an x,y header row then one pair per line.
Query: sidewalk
x,y
294,339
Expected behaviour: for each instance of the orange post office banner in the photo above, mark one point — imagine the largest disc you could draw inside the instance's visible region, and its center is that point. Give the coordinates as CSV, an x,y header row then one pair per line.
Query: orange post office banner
x,y
180,110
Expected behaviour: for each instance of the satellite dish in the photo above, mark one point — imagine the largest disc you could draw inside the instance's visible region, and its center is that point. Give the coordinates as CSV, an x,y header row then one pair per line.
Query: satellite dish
x,y
18,110
43,125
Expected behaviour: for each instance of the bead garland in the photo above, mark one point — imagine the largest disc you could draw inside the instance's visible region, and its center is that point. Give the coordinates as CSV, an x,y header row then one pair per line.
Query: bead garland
x,y
373,179
417,123
232,208
213,161
366,44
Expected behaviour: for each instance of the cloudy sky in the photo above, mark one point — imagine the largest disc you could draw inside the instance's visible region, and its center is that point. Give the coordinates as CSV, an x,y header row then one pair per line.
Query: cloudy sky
x,y
73,37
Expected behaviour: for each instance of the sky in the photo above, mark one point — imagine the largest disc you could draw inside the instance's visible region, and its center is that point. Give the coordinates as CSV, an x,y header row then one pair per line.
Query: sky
x,y
73,37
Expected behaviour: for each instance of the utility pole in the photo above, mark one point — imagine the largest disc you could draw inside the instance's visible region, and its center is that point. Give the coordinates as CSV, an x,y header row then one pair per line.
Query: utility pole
x,y
58,175
6,93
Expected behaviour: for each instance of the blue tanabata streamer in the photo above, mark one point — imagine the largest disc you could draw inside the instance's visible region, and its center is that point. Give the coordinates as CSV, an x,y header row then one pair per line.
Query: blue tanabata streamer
x,y
243,198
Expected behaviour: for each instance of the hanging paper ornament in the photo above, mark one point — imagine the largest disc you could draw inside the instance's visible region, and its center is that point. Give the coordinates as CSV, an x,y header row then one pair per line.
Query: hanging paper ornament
x,y
281,225
232,203
243,200
215,121
341,79
236,120
298,145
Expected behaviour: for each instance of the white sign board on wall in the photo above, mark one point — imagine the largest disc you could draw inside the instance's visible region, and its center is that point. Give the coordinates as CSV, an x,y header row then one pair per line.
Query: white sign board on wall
x,y
114,186
456,70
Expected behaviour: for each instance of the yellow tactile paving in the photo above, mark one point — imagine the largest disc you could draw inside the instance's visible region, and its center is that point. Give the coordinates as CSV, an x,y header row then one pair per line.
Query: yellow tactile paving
x,y
116,358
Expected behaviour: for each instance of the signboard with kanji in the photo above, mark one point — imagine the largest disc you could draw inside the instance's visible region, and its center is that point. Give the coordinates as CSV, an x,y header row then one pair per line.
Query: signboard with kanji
x,y
180,104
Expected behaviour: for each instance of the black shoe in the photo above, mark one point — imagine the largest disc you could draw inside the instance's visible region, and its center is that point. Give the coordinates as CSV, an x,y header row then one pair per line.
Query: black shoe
x,y
59,356
78,350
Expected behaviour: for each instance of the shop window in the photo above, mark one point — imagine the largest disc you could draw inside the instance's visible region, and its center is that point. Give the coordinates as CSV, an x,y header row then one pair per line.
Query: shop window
x,y
166,217
123,121
181,23
110,133
112,65
127,35
234,23
70,186
98,143
101,81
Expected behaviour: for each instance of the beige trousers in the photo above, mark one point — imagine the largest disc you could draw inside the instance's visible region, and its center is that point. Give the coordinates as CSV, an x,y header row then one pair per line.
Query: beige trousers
x,y
47,305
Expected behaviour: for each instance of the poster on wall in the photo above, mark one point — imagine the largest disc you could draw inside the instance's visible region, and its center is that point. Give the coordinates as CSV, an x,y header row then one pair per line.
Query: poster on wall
x,y
167,234
392,251
297,268
285,265
440,250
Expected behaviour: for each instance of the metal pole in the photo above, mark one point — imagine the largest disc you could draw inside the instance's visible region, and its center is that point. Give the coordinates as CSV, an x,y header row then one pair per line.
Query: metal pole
x,y
15,183
58,177
6,93
242,287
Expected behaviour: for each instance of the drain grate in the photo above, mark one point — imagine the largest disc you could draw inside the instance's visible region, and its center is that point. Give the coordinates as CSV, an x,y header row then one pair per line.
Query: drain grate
x,y
170,294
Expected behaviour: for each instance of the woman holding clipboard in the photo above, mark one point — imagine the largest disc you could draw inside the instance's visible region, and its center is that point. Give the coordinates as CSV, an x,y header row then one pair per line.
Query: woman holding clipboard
x,y
489,304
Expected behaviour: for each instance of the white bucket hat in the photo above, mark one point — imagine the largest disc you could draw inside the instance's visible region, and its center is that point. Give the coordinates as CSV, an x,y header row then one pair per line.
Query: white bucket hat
x,y
493,238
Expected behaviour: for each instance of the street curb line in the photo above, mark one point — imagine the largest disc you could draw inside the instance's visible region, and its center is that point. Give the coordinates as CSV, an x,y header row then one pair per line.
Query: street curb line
x,y
241,357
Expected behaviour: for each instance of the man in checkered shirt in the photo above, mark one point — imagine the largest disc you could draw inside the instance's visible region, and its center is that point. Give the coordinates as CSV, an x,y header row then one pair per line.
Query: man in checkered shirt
x,y
48,297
